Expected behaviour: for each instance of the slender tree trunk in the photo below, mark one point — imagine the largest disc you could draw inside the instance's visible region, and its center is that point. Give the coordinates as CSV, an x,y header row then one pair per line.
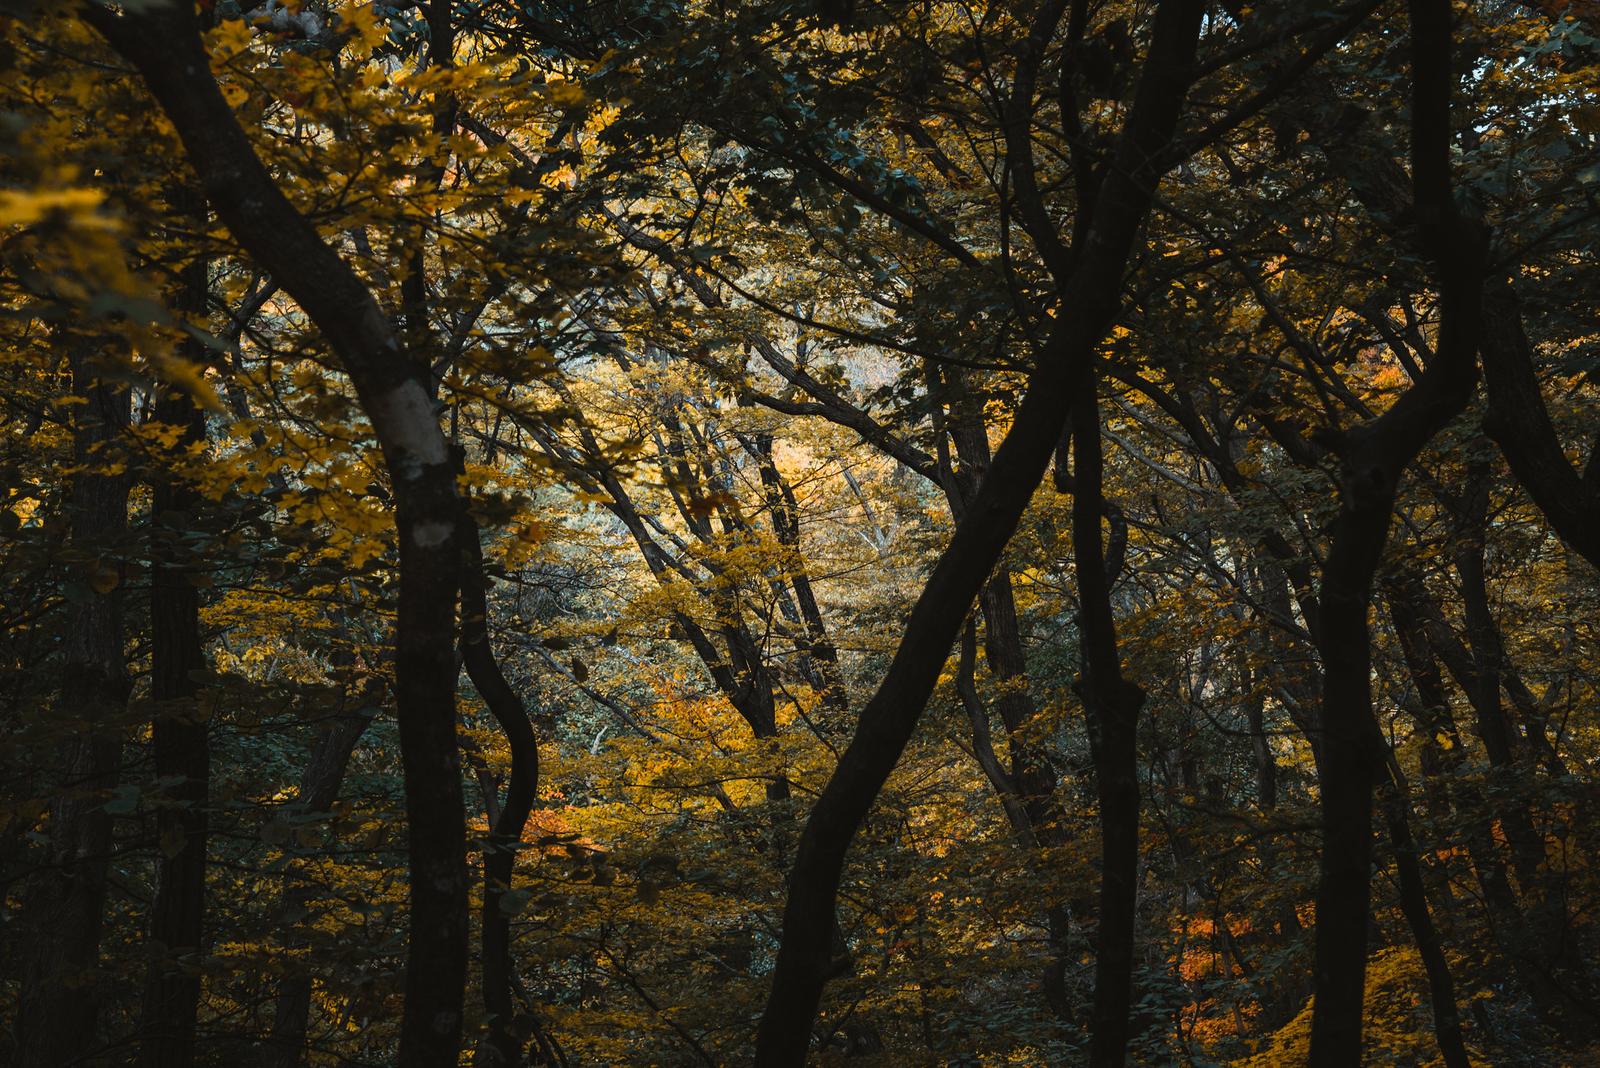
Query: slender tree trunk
x,y
179,739
502,1046
1025,826
1493,726
1091,297
1414,904
785,511
1540,877
885,726
64,903
1111,705
1005,786
1266,764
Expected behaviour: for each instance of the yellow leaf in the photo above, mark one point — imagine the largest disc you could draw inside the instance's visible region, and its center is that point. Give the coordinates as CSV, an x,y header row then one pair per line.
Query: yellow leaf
x,y
24,207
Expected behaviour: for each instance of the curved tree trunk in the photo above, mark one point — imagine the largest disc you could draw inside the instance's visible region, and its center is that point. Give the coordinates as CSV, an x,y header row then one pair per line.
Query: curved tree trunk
x,y
1091,298
164,44
1519,423
502,1046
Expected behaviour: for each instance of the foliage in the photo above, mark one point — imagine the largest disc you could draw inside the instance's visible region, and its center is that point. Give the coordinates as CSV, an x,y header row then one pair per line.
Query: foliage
x,y
724,309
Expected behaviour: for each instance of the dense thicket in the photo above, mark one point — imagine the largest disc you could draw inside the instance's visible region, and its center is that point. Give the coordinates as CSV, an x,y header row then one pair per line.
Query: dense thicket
x,y
907,533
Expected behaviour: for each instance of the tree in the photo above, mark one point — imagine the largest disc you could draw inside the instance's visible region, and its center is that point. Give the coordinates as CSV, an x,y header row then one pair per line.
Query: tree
x,y
682,381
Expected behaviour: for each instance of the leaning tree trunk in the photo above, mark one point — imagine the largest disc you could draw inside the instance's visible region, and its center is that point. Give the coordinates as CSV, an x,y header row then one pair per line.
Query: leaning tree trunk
x,y
1091,297
1419,917
164,44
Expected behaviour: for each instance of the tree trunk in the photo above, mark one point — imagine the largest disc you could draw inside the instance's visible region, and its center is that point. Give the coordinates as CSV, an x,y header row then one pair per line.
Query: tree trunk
x,y
1373,457
1347,766
178,737
1111,706
502,1047
1091,297
1414,904
1519,423
818,647
164,44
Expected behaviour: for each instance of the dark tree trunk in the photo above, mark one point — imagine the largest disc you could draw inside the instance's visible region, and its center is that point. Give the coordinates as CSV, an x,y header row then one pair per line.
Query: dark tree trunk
x,y
1519,423
1373,457
164,44
64,902
502,1047
804,961
178,734
1347,769
1111,706
1091,297
1414,904
1483,682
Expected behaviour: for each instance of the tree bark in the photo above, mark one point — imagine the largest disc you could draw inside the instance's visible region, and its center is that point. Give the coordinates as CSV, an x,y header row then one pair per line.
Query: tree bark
x,y
1111,706
178,733
502,1047
164,44
1091,297
1373,457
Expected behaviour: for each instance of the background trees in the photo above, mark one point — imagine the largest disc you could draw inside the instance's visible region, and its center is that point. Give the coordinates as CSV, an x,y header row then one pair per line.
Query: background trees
x,y
592,535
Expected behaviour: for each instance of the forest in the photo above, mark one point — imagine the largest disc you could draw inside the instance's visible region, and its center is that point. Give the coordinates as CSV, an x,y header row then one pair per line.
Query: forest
x,y
888,532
